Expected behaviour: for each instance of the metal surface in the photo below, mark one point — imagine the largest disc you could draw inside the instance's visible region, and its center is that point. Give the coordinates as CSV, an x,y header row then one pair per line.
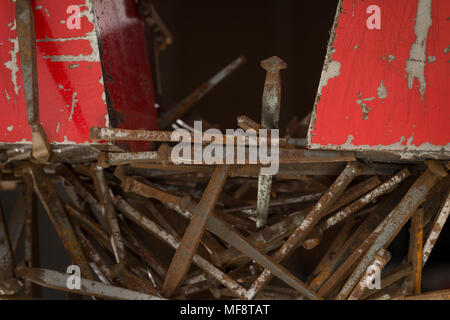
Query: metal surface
x,y
127,75
371,196
57,280
315,214
270,116
191,239
150,226
336,271
146,226
392,224
413,284
164,157
31,239
222,230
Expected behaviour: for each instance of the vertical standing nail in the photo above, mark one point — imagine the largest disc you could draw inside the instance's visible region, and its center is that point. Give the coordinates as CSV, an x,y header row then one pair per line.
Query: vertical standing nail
x,y
270,116
263,200
272,92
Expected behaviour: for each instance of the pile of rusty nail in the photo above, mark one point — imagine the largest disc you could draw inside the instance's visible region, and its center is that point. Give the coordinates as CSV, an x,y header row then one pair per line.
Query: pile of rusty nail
x,y
227,229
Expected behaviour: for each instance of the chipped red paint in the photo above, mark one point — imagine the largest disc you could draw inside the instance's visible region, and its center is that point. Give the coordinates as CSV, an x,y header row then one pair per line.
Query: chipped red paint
x,y
397,119
71,79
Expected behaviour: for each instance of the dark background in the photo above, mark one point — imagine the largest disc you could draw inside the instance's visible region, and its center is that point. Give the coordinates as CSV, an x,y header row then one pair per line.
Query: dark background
x,y
210,34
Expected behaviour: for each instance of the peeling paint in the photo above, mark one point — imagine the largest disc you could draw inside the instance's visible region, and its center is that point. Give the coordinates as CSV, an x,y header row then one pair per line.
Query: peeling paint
x,y
382,91
107,123
74,101
447,50
10,128
364,108
90,36
12,64
424,149
68,118
415,65
389,58
332,70
102,82
387,62
12,25
66,141
93,57
410,140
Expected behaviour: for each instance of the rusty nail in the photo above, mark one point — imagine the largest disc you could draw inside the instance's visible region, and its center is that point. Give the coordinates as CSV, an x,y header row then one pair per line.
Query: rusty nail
x,y
392,224
191,239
